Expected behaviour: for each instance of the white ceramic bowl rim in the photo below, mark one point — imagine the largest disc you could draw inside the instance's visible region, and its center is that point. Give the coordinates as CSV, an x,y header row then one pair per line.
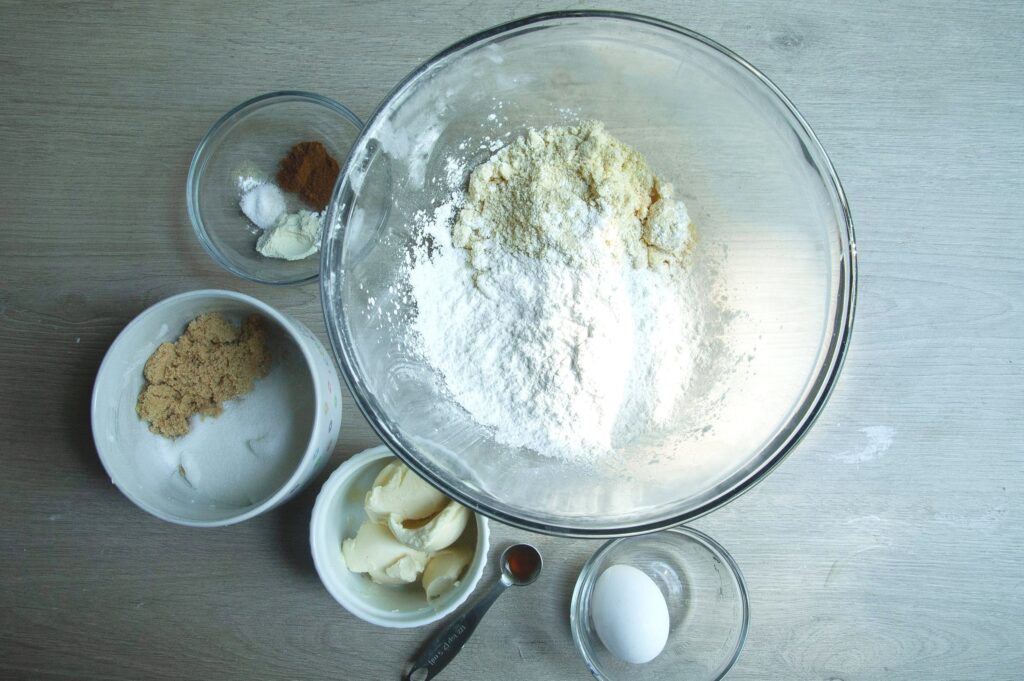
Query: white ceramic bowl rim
x,y
359,607
293,479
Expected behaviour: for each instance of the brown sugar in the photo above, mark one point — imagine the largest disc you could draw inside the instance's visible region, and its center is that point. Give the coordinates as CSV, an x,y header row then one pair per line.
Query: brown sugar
x,y
213,361
309,171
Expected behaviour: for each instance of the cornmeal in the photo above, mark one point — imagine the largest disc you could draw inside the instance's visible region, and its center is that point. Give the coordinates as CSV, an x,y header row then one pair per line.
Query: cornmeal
x,y
213,361
555,189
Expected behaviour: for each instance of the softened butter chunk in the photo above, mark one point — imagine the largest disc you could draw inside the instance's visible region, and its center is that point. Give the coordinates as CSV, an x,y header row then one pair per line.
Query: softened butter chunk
x,y
444,570
438,532
375,551
399,492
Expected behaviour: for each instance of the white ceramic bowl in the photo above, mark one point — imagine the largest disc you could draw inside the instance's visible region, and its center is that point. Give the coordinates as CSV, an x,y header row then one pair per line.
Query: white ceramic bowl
x,y
337,515
260,451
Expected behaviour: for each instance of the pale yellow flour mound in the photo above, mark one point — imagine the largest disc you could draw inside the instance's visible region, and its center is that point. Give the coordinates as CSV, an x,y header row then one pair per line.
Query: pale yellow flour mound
x,y
557,188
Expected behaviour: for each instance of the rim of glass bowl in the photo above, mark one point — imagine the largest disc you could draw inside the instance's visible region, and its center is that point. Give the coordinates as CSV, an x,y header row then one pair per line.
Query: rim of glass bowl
x,y
197,168
585,583
772,454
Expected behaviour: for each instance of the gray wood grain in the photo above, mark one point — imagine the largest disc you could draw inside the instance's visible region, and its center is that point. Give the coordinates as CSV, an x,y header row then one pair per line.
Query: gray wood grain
x,y
887,547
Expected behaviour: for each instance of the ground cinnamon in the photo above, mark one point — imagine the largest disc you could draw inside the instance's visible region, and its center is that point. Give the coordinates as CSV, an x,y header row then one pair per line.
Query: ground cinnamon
x,y
309,171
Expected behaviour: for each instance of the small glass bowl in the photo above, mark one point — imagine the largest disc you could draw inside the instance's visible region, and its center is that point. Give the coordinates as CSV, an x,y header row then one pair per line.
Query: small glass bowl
x,y
252,138
707,605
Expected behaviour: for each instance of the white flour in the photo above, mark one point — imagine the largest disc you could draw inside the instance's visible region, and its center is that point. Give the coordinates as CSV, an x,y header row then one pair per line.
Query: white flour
x,y
570,349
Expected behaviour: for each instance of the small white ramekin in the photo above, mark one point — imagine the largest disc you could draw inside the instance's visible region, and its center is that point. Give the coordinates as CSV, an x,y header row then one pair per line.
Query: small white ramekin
x,y
337,515
129,452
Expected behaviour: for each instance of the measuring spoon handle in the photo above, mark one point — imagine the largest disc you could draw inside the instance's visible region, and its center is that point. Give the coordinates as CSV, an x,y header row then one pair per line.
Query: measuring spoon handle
x,y
446,645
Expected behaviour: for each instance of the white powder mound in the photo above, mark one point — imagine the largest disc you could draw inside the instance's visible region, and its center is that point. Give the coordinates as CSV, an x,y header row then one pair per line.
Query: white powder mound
x,y
239,458
263,204
546,314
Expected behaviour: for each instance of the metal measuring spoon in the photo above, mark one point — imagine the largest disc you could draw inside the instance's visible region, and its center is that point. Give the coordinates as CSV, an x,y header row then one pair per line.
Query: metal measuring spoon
x,y
520,565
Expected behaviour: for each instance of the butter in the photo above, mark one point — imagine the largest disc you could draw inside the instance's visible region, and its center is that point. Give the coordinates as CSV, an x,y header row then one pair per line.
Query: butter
x,y
409,525
375,551
444,570
399,492
439,532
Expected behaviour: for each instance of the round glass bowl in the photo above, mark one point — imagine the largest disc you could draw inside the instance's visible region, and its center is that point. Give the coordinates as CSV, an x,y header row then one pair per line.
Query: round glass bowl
x,y
775,261
251,139
706,598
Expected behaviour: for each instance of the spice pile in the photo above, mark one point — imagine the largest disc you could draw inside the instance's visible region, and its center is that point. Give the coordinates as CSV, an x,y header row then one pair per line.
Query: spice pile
x,y
307,170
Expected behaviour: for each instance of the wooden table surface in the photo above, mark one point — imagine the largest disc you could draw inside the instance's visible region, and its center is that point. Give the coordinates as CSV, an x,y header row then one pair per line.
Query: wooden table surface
x,y
888,546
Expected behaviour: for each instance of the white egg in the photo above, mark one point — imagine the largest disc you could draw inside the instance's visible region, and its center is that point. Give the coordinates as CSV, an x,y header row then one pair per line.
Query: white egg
x,y
630,614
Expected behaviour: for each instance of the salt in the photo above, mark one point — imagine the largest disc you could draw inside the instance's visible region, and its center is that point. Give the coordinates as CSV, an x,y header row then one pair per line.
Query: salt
x,y
263,204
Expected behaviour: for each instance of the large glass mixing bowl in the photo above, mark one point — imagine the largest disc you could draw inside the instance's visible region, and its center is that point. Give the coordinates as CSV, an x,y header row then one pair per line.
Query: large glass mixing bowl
x,y
776,256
